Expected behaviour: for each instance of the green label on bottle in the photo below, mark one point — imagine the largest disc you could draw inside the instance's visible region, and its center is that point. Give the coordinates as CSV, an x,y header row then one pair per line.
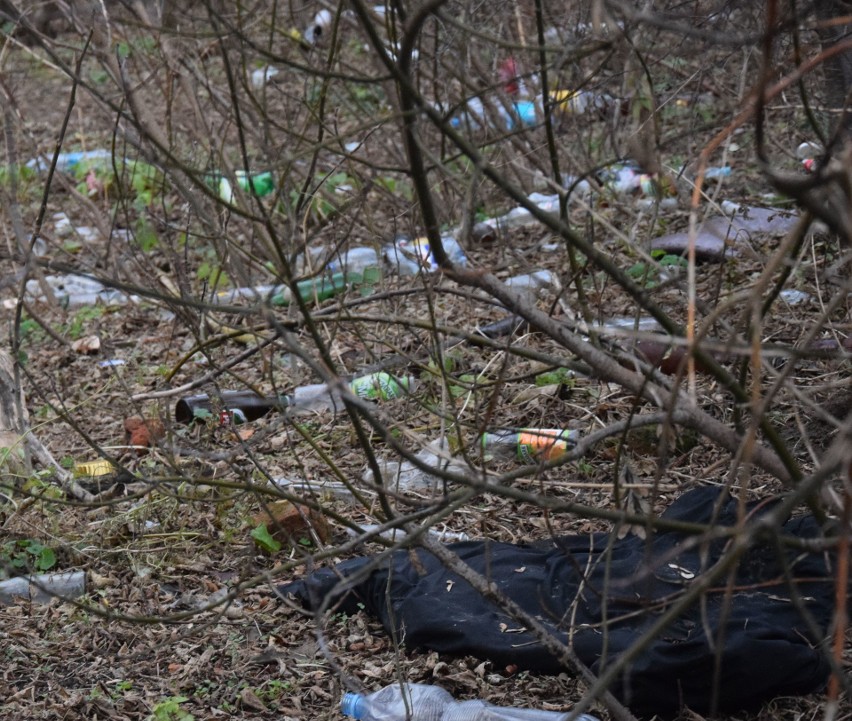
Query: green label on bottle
x,y
260,184
379,386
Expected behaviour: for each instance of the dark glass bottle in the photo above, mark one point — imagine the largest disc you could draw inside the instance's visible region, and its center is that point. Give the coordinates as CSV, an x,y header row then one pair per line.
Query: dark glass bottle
x,y
251,405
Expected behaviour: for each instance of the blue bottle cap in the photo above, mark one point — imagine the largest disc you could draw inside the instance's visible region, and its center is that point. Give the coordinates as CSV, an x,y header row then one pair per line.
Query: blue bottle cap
x,y
352,705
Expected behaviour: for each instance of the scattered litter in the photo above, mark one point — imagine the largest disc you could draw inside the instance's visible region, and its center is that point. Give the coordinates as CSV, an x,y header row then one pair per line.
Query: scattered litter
x,y
65,228
397,534
582,102
43,587
87,345
262,76
709,247
718,236
632,323
67,162
74,290
717,173
319,26
424,702
406,476
476,116
807,153
322,489
258,184
530,286
286,521
354,260
528,445
304,399
410,257
112,363
760,220
94,469
795,297
483,232
142,433
769,649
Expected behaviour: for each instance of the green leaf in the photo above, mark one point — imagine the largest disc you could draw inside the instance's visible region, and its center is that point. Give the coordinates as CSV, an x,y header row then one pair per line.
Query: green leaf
x,y
46,559
263,538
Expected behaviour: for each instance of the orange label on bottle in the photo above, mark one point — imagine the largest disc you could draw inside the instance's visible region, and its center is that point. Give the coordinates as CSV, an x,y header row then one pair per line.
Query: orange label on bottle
x,y
542,444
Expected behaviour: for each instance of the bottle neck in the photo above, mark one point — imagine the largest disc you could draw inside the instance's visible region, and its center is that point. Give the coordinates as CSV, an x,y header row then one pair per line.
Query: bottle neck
x,y
352,705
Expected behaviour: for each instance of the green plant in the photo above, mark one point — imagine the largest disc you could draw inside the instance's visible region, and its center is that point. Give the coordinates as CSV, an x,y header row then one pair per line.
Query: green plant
x,y
263,538
83,316
30,330
564,376
272,690
169,710
643,272
25,555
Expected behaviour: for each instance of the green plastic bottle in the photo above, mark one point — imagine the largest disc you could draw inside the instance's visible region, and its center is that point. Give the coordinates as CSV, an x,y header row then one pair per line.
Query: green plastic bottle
x,y
258,184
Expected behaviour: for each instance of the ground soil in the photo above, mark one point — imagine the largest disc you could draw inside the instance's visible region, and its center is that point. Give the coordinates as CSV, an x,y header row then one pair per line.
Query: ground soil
x,y
171,531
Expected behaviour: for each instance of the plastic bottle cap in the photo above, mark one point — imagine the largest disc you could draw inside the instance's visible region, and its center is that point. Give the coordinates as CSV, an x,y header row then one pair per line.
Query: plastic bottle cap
x,y
351,705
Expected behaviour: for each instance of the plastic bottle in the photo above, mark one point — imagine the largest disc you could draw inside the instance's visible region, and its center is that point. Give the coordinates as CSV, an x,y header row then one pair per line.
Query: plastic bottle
x,y
399,702
355,260
531,285
395,534
580,102
476,116
409,257
529,445
242,406
373,387
260,184
320,288
422,702
405,476
66,162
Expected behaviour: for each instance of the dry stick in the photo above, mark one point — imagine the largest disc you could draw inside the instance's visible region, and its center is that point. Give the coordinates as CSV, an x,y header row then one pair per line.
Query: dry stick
x,y
841,589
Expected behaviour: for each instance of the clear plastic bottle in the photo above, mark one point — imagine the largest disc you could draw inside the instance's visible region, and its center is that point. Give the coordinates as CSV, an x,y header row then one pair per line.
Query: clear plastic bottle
x,y
404,476
409,257
354,260
530,285
66,162
422,702
398,702
372,387
483,711
529,445
397,534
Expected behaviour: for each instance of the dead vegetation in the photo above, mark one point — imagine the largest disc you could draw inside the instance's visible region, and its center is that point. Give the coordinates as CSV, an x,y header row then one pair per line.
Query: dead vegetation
x,y
191,529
